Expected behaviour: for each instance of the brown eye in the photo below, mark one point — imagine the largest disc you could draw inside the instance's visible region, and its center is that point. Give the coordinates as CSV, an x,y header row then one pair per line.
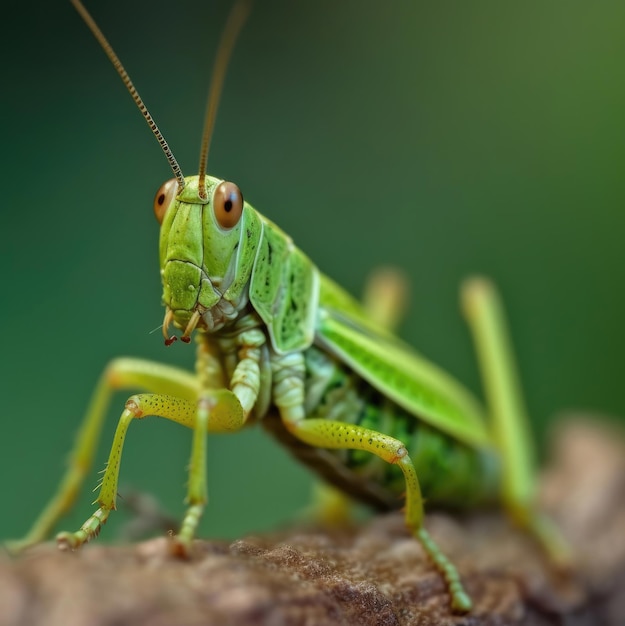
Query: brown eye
x,y
164,197
227,204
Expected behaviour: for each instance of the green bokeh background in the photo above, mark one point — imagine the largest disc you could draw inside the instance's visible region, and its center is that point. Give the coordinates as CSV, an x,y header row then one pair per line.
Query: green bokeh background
x,y
446,138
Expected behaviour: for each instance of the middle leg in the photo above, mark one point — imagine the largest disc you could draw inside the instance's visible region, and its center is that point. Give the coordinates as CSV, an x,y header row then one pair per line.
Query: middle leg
x,y
324,433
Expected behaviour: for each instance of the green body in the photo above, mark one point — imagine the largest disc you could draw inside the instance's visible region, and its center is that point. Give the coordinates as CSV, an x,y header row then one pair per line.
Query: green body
x,y
280,343
356,372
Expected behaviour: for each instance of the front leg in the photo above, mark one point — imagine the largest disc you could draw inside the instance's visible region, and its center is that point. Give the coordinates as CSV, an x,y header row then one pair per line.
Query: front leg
x,y
122,373
203,409
218,410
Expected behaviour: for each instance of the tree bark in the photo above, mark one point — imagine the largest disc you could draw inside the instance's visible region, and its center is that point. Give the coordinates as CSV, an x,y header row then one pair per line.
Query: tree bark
x,y
371,574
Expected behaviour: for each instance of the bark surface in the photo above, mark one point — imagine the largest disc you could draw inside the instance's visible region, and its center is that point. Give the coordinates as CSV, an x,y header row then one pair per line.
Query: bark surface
x,y
371,574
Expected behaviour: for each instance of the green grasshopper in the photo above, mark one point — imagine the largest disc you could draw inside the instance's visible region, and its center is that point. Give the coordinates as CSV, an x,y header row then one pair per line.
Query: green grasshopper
x,y
280,343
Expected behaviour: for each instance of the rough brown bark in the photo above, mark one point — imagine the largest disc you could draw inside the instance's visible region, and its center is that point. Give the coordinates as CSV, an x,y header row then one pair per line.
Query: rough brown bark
x,y
374,574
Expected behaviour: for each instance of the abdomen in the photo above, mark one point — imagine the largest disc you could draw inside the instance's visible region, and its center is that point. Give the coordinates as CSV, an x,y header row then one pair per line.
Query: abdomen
x,y
451,475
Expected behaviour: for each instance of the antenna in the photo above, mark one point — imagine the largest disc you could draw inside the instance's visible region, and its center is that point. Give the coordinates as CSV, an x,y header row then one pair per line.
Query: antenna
x,y
110,53
236,19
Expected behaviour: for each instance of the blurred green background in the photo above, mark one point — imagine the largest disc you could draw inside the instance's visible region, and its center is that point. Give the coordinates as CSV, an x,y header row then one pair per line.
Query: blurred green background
x,y
446,138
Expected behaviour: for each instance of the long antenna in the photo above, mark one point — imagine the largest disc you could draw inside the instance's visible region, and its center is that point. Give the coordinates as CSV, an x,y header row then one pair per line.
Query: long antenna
x,y
236,19
110,53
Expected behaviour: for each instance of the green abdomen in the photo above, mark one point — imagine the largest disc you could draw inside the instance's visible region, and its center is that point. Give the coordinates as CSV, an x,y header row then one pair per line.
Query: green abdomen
x,y
451,474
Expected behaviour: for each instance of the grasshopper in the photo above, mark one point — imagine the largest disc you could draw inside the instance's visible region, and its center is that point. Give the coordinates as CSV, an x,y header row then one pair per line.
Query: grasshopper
x,y
281,344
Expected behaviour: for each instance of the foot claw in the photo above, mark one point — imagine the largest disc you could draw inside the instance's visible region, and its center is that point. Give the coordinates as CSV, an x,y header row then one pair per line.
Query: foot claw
x,y
66,542
179,548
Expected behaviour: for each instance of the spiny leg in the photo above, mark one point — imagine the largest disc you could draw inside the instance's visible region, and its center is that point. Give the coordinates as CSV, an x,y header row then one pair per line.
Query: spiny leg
x,y
223,414
219,410
123,373
137,407
331,434
484,311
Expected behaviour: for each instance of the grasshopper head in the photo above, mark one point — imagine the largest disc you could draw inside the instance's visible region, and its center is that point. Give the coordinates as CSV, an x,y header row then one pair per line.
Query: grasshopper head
x,y
207,248
208,235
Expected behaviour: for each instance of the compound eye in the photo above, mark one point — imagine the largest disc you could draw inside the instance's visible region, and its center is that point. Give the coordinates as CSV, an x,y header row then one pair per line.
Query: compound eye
x,y
228,205
164,197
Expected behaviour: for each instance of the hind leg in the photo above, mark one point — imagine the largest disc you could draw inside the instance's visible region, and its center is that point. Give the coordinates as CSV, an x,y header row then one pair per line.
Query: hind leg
x,y
485,315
